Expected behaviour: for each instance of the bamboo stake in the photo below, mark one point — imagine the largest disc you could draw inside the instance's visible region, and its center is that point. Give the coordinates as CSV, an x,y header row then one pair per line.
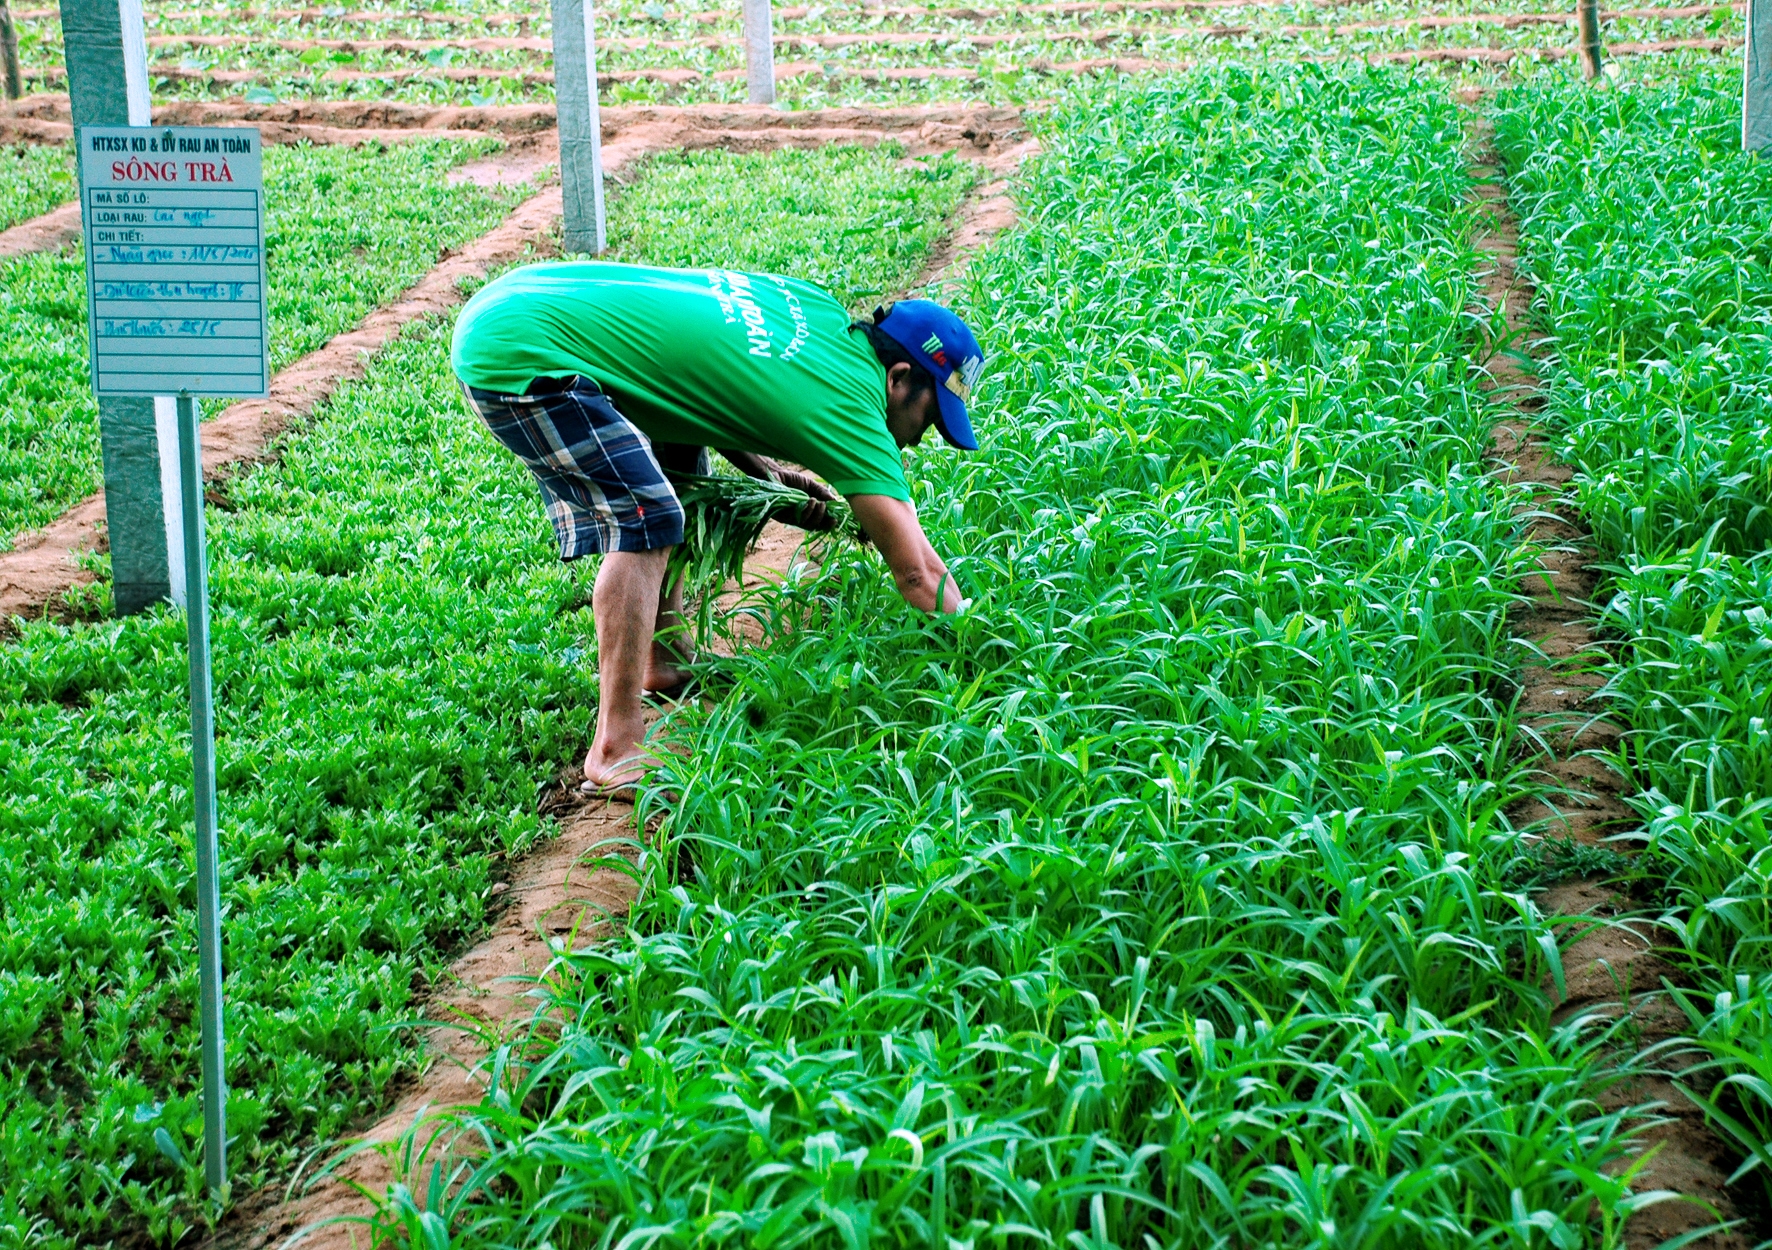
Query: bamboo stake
x,y
1587,26
9,54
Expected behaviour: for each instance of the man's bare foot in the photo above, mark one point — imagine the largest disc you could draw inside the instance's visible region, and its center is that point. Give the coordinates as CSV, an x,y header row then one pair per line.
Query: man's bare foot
x,y
663,677
617,774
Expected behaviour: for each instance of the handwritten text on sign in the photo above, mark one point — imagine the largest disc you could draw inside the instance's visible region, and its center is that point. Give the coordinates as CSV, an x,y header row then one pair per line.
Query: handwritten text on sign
x,y
175,259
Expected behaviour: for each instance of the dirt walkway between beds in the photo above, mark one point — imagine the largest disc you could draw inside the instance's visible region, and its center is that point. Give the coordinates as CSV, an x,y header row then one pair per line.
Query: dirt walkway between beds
x,y
1612,967
559,896
43,564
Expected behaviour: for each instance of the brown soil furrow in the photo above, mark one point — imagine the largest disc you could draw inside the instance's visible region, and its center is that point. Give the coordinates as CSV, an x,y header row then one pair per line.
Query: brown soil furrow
x,y
670,77
883,38
558,894
42,564
61,225
1612,966
988,211
1501,56
545,47
51,232
922,127
45,117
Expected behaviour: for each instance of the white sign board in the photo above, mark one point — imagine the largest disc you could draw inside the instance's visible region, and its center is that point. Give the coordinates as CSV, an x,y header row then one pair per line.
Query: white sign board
x,y
175,259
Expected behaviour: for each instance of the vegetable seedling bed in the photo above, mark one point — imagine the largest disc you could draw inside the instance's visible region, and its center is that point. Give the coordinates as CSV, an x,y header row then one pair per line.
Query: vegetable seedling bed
x,y
1000,53
375,758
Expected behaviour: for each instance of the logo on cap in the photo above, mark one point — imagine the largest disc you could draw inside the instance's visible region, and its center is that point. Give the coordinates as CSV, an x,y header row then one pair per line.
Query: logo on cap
x,y
960,379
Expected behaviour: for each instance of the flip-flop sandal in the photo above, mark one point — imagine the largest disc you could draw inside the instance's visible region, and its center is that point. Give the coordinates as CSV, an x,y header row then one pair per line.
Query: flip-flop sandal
x,y
670,694
623,792
614,792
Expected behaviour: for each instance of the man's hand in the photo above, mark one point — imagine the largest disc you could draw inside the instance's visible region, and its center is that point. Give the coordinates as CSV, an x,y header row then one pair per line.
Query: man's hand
x,y
919,572
803,481
812,516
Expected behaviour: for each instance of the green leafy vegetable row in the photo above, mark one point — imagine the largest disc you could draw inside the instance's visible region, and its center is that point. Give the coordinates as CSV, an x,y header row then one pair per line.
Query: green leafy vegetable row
x,y
401,662
1650,235
1165,896
34,180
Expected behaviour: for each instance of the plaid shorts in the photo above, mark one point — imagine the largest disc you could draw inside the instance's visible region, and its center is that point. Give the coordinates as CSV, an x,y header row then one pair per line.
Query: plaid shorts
x,y
602,480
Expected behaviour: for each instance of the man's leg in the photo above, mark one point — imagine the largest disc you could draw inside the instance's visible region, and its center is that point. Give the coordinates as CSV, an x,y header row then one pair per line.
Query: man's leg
x,y
671,648
627,605
604,491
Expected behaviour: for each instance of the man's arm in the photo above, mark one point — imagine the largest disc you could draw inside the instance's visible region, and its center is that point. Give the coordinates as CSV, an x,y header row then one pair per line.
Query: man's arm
x,y
919,572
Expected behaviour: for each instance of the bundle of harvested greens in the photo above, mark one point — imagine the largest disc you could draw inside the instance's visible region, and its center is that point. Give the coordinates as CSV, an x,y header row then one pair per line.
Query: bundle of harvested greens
x,y
722,517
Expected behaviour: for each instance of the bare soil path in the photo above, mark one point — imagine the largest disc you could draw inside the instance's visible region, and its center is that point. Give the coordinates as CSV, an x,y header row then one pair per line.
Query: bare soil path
x,y
49,232
1612,967
60,226
43,564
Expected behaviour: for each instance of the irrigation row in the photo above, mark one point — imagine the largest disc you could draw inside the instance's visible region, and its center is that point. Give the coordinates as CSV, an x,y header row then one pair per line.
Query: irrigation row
x,y
1611,966
45,118
785,13
984,14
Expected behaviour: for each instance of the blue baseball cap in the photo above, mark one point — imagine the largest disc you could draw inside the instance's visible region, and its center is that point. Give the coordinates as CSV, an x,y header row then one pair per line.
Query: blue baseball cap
x,y
941,343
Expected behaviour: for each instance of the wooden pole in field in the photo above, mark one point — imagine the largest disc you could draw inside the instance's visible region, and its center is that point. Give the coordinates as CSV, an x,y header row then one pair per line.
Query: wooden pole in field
x,y
759,52
107,58
581,132
1587,31
1756,96
9,54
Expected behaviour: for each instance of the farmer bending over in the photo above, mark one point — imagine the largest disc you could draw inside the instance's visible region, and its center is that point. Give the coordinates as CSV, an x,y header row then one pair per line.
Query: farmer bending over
x,y
602,378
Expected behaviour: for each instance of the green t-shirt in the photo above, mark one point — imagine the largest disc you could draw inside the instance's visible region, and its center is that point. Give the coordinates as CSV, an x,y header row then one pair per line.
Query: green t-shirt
x,y
710,357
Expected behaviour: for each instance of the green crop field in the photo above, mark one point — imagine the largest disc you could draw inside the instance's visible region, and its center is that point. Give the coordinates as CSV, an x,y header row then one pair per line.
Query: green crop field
x,y
1186,889
842,53
33,181
1648,230
1165,897
380,595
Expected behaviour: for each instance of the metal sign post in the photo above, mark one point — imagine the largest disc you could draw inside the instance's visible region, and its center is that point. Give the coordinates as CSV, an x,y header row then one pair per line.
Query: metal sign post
x,y
1587,38
175,283
215,1114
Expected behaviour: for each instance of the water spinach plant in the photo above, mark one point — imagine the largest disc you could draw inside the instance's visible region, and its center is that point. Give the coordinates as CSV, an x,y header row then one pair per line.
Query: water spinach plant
x,y
35,179
1163,897
401,662
1647,231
